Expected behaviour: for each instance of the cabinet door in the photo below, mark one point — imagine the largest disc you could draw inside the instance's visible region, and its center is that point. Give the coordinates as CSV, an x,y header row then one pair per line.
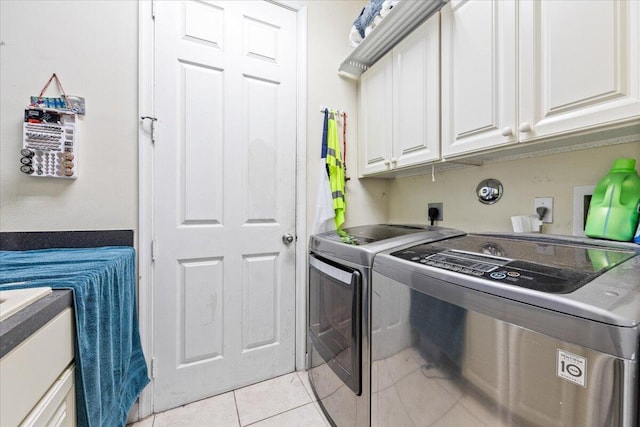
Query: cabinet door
x,y
416,96
478,75
376,117
58,406
579,65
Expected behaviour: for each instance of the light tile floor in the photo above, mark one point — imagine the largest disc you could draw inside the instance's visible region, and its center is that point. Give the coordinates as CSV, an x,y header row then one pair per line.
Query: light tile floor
x,y
285,401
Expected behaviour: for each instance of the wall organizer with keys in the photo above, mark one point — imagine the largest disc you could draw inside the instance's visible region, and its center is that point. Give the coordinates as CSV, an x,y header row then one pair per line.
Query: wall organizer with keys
x,y
50,141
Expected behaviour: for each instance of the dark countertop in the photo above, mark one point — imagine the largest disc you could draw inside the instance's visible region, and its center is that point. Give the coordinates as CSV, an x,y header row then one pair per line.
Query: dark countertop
x,y
24,323
18,327
30,240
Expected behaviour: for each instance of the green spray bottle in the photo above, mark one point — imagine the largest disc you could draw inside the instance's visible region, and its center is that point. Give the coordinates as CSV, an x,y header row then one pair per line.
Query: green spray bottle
x,y
613,212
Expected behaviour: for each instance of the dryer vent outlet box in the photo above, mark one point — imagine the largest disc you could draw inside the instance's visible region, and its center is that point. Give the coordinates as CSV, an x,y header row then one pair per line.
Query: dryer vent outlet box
x,y
440,208
547,204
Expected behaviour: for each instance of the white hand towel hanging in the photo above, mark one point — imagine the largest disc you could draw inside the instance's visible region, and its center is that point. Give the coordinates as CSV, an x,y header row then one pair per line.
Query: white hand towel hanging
x,y
325,214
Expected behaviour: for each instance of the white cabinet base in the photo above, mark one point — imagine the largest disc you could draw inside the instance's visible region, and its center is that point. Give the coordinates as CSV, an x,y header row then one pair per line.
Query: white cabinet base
x,y
30,369
58,407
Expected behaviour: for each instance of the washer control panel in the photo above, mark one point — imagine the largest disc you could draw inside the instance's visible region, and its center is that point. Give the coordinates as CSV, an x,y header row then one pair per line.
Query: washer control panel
x,y
507,271
475,267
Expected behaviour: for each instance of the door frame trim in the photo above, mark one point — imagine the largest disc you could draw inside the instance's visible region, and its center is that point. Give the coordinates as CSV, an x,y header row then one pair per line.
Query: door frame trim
x,y
146,83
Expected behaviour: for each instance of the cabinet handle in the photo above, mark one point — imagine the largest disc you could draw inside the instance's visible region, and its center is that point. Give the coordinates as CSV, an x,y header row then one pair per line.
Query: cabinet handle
x,y
507,131
525,127
387,162
394,160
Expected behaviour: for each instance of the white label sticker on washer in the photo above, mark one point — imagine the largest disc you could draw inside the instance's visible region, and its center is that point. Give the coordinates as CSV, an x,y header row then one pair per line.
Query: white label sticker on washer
x,y
572,367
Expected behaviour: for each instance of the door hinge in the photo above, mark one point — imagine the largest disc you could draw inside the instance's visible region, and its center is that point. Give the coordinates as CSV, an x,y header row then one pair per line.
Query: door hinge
x,y
153,367
153,10
154,249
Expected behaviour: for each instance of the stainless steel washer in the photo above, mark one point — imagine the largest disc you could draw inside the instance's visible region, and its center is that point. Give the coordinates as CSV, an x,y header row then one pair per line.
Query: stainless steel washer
x,y
339,313
506,330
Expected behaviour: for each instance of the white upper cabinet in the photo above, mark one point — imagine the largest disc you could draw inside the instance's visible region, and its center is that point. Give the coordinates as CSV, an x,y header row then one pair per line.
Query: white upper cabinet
x,y
478,75
553,72
416,97
375,117
579,65
576,69
400,104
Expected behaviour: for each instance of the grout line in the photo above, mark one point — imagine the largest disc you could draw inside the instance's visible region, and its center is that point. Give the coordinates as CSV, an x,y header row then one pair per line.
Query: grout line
x,y
239,421
304,386
314,401
237,409
141,420
293,378
316,405
279,413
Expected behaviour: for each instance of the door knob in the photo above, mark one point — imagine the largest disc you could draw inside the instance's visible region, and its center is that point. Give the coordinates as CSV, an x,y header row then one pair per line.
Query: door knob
x,y
507,131
287,238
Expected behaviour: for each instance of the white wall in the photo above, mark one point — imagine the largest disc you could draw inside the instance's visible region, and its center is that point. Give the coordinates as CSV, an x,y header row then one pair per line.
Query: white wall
x,y
328,28
98,60
545,176
92,47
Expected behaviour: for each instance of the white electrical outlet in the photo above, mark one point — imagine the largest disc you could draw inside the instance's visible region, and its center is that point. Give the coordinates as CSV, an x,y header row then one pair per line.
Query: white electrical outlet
x,y
545,202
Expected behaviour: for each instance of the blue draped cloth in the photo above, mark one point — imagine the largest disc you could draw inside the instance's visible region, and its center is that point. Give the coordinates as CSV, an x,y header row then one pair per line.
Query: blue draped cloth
x,y
110,367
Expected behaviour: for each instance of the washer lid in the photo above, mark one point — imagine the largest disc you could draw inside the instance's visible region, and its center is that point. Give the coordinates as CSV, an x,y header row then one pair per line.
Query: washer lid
x,y
359,244
592,279
366,234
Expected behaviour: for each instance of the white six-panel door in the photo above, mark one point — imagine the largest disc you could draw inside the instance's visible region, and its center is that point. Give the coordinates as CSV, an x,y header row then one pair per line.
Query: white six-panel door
x,y
224,195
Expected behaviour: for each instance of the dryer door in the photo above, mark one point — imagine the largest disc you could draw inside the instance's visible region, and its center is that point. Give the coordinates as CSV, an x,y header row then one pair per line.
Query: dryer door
x,y
335,294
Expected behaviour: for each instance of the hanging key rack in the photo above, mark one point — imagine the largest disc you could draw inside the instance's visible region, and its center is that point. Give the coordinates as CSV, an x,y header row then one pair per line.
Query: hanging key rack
x,y
49,137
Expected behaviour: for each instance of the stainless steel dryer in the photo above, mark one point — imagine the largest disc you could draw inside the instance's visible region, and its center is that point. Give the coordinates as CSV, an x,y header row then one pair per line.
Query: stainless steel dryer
x,y
339,310
506,330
